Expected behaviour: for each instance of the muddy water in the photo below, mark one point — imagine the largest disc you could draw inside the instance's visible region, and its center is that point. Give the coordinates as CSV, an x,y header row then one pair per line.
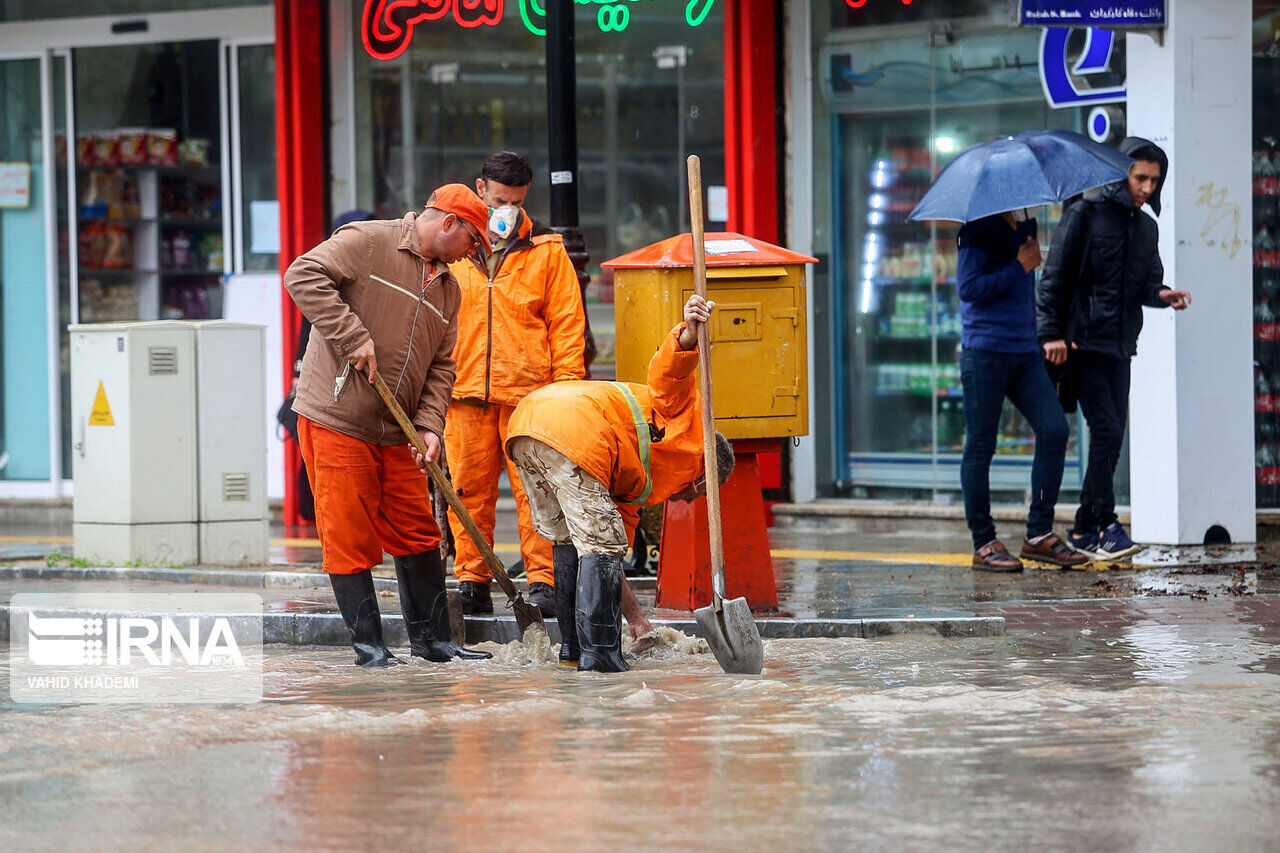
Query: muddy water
x,y
1152,737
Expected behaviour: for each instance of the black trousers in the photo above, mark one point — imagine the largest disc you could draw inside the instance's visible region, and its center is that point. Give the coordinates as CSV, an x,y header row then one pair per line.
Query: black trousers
x,y
1103,384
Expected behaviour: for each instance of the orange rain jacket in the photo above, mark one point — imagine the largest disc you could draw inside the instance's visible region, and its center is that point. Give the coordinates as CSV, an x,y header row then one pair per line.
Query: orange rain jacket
x,y
524,328
592,424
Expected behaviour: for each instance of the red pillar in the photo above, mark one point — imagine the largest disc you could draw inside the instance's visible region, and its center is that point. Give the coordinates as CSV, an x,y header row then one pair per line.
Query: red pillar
x,y
751,174
750,117
751,63
300,172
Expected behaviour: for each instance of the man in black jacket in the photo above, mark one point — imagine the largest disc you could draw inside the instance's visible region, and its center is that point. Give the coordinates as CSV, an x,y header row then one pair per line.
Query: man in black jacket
x,y
1104,265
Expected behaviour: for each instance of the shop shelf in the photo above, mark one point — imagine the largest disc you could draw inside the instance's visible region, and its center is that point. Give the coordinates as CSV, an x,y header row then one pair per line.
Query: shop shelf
x,y
190,273
124,220
913,338
191,222
114,271
184,171
922,281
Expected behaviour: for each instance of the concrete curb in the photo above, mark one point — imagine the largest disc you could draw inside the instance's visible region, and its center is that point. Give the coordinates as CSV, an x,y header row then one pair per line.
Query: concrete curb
x,y
326,629
250,578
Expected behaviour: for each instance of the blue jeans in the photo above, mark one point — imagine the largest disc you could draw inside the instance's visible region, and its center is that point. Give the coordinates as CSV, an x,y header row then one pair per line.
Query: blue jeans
x,y
988,377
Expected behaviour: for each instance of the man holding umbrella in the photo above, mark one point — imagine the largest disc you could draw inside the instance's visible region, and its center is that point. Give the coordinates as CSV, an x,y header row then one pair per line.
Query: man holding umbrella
x,y
991,188
1001,359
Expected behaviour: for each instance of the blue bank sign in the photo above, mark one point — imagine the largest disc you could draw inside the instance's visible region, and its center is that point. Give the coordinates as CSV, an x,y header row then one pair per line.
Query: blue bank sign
x,y
1091,13
1066,83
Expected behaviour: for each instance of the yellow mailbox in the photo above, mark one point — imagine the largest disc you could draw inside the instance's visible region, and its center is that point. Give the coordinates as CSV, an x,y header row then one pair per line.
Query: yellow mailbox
x,y
759,356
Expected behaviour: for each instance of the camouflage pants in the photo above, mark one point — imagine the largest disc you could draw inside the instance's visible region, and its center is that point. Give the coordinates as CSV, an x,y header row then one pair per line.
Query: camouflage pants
x,y
565,502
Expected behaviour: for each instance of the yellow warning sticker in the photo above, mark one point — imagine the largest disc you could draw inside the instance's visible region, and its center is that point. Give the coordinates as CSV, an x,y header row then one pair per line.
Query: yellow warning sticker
x,y
101,413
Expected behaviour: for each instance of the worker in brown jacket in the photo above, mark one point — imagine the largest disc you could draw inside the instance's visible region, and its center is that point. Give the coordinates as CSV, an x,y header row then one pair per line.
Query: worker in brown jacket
x,y
380,298
520,327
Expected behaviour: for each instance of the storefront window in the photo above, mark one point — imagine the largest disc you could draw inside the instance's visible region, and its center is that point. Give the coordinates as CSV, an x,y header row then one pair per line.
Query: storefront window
x,y
1266,251
149,183
648,95
257,157
30,10
25,326
900,92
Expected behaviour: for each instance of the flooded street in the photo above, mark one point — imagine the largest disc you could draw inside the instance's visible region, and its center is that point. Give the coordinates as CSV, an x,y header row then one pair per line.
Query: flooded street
x,y
1148,736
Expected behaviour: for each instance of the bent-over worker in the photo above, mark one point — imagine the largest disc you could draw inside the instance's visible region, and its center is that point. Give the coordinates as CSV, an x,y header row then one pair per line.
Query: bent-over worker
x,y
590,454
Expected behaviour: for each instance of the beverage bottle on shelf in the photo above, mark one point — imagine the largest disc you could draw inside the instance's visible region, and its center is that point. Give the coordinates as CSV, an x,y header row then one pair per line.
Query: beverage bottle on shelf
x,y
1264,330
1264,212
1267,174
1271,476
1272,349
1261,463
1264,407
1264,249
1268,284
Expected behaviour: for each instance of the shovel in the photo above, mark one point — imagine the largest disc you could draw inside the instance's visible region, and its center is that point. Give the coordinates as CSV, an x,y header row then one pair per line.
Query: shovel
x,y
727,626
526,613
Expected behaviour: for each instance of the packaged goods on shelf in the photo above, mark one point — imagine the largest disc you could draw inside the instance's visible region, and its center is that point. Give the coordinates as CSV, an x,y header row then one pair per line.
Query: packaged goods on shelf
x,y
162,147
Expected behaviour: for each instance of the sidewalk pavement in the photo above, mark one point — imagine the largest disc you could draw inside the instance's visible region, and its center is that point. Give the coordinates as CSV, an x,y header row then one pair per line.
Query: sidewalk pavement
x,y
831,582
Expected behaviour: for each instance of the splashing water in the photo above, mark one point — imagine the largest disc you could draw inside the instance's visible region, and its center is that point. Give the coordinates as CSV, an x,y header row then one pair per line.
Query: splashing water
x,y
665,643
534,649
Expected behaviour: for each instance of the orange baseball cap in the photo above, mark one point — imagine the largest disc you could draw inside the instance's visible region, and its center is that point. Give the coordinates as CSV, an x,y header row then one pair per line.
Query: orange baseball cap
x,y
462,202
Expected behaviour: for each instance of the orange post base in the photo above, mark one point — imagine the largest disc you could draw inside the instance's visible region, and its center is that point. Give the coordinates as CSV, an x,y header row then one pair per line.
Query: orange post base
x,y
684,562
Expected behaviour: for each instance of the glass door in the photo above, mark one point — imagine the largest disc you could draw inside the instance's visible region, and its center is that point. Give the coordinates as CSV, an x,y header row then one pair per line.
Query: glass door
x,y
252,114
28,302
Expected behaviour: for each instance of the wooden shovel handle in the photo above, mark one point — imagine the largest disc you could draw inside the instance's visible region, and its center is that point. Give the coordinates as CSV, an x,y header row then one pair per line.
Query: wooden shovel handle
x,y
446,489
714,533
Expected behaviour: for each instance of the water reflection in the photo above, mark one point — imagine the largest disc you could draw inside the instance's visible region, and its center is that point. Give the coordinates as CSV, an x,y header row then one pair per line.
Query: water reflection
x,y
1144,737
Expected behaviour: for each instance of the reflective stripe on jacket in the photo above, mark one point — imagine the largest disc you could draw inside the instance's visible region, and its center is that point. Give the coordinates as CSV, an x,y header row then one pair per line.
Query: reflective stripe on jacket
x,y
592,424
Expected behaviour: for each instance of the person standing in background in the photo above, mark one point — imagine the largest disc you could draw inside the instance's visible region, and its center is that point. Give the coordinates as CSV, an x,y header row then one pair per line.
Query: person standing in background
x,y
1001,359
521,326
1103,268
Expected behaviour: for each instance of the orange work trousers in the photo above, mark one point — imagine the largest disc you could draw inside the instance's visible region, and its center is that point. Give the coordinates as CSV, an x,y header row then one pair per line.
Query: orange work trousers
x,y
474,437
369,499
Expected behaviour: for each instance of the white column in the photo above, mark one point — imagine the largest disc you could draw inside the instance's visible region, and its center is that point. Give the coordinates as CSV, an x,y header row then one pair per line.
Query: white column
x,y
1191,407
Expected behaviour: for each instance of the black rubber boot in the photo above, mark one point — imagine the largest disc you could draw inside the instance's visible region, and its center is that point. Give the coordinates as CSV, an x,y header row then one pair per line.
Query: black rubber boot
x,y
477,598
599,613
564,558
426,609
543,597
358,604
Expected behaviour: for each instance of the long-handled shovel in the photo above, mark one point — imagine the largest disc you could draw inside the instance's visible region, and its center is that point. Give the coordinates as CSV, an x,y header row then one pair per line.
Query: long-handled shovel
x,y
727,626
526,613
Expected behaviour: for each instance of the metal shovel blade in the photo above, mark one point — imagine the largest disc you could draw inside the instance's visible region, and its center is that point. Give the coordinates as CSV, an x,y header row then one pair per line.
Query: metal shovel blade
x,y
733,636
526,614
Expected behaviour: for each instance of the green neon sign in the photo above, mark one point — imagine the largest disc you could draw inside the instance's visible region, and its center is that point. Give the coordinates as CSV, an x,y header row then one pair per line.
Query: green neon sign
x,y
613,16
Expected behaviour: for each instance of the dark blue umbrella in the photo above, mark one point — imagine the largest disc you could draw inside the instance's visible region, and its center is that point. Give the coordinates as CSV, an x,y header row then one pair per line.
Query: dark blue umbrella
x,y
1028,169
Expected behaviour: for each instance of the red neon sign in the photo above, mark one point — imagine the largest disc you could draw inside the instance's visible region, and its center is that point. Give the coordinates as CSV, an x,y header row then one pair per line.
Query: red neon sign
x,y
386,26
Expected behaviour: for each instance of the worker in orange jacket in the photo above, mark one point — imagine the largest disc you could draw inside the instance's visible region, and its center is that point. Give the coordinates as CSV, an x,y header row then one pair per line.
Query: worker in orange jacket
x,y
590,454
521,326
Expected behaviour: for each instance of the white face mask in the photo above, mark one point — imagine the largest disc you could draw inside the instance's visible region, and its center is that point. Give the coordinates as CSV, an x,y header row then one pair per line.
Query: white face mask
x,y
502,221
1022,214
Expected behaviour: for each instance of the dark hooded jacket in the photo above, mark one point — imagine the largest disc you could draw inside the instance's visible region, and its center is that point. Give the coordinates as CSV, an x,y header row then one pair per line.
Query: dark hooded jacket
x,y
1104,265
